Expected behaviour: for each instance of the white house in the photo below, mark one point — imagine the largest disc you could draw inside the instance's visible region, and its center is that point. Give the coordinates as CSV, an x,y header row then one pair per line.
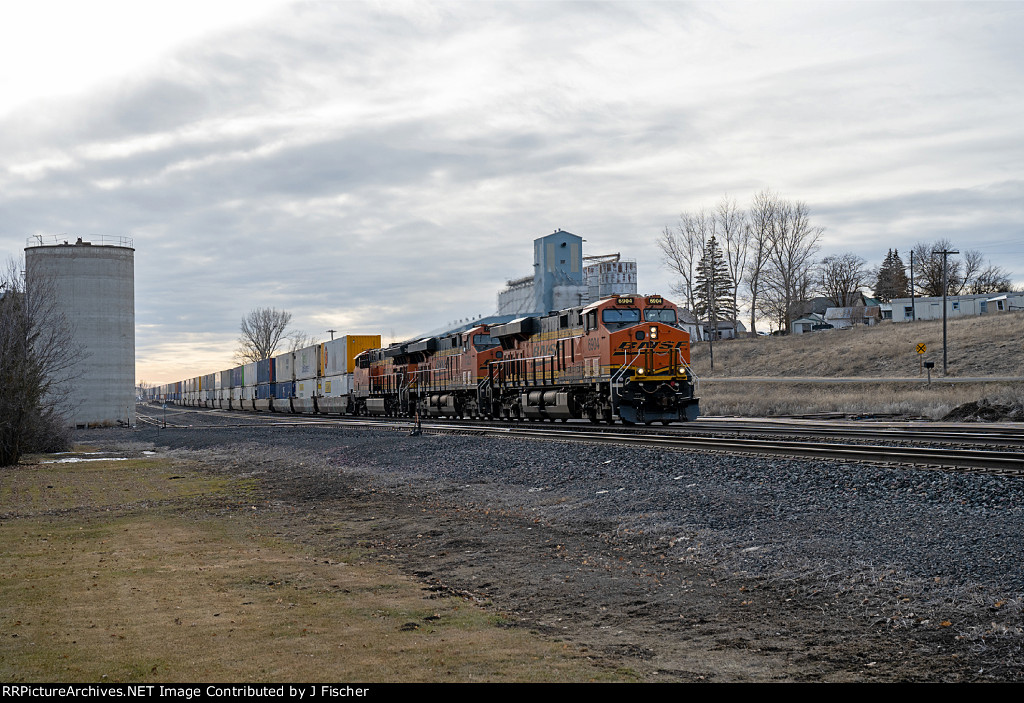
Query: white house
x,y
810,323
906,309
843,318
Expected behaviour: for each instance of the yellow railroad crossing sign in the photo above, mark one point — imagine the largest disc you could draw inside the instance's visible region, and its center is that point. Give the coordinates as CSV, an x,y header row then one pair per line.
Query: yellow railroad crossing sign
x,y
921,348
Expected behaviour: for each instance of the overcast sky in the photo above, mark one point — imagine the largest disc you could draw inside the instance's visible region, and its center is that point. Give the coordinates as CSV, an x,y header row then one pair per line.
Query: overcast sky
x,y
383,167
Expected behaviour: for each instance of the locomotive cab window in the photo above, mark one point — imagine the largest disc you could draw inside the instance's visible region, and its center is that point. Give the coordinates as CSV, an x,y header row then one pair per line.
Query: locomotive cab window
x,y
660,315
484,341
614,318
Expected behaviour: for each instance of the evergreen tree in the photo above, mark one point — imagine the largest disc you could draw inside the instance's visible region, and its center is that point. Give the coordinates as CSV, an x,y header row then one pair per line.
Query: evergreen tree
x,y
891,280
713,291
899,272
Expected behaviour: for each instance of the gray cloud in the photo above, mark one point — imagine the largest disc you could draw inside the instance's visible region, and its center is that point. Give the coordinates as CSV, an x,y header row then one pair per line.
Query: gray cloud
x,y
386,167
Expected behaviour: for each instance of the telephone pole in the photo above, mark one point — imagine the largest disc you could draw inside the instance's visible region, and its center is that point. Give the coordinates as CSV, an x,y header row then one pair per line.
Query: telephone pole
x,y
945,285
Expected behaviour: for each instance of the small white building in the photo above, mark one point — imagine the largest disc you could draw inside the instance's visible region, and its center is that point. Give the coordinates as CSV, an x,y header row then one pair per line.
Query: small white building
x,y
812,322
844,318
930,308
723,329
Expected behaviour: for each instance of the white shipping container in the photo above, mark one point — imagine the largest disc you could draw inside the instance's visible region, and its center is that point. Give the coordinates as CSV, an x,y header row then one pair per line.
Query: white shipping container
x,y
335,355
338,356
250,379
306,363
284,367
333,386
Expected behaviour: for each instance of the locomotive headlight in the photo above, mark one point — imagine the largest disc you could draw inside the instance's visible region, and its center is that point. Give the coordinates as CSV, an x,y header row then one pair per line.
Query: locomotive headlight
x,y
640,371
654,332
682,370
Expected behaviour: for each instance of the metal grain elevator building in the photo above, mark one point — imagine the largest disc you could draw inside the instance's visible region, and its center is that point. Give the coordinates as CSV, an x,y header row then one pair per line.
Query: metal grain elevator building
x,y
93,284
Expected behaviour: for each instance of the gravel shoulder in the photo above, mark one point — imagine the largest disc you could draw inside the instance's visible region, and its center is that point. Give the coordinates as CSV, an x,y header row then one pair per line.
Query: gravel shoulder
x,y
678,566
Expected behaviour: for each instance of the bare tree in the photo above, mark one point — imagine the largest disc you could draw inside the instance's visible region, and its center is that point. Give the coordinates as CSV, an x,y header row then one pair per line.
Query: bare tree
x,y
735,237
973,263
981,277
991,279
794,241
262,330
38,361
770,247
928,269
683,249
841,277
760,217
300,340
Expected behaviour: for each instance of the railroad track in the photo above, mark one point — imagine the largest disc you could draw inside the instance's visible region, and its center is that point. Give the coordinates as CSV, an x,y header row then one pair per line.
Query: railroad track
x,y
968,449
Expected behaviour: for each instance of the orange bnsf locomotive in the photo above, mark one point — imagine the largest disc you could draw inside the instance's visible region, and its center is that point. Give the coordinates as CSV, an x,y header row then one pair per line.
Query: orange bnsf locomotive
x,y
621,357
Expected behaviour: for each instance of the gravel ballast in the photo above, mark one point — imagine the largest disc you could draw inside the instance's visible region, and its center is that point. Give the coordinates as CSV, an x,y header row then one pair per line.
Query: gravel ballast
x,y
893,553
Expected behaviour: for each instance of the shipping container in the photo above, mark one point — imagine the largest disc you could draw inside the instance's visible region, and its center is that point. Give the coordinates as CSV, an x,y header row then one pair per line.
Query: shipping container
x,y
265,371
284,367
263,401
338,355
333,386
333,395
307,363
249,389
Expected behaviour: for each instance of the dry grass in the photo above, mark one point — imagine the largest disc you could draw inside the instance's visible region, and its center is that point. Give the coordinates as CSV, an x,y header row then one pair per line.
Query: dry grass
x,y
148,571
978,347
757,399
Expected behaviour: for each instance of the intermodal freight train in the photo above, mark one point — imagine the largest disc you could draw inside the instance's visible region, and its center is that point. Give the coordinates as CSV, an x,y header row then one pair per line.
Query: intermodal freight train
x,y
624,358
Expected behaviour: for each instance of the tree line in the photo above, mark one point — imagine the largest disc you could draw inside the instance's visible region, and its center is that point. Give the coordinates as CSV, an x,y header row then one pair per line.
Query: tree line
x,y
764,258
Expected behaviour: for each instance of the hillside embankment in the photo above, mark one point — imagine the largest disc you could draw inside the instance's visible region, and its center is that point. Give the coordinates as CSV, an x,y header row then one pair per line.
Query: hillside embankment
x,y
876,370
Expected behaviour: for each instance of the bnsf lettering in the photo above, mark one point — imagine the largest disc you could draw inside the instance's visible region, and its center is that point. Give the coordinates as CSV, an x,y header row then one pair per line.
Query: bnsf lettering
x,y
663,346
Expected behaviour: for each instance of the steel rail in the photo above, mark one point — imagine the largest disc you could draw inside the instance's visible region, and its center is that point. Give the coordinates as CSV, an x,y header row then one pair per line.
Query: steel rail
x,y
1004,462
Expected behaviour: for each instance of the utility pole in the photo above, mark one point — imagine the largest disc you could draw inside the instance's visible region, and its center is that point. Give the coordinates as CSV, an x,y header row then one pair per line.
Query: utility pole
x,y
945,285
332,334
913,308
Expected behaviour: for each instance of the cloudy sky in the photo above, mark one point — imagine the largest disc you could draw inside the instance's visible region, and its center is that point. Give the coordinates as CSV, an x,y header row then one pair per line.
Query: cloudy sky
x,y
383,167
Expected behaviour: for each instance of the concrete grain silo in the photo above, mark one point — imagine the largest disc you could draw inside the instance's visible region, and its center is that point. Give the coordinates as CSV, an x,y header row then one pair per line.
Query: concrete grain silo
x,y
93,284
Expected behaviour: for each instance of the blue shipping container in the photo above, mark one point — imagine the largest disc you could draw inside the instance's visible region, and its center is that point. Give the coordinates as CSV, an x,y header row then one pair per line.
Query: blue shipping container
x,y
265,371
